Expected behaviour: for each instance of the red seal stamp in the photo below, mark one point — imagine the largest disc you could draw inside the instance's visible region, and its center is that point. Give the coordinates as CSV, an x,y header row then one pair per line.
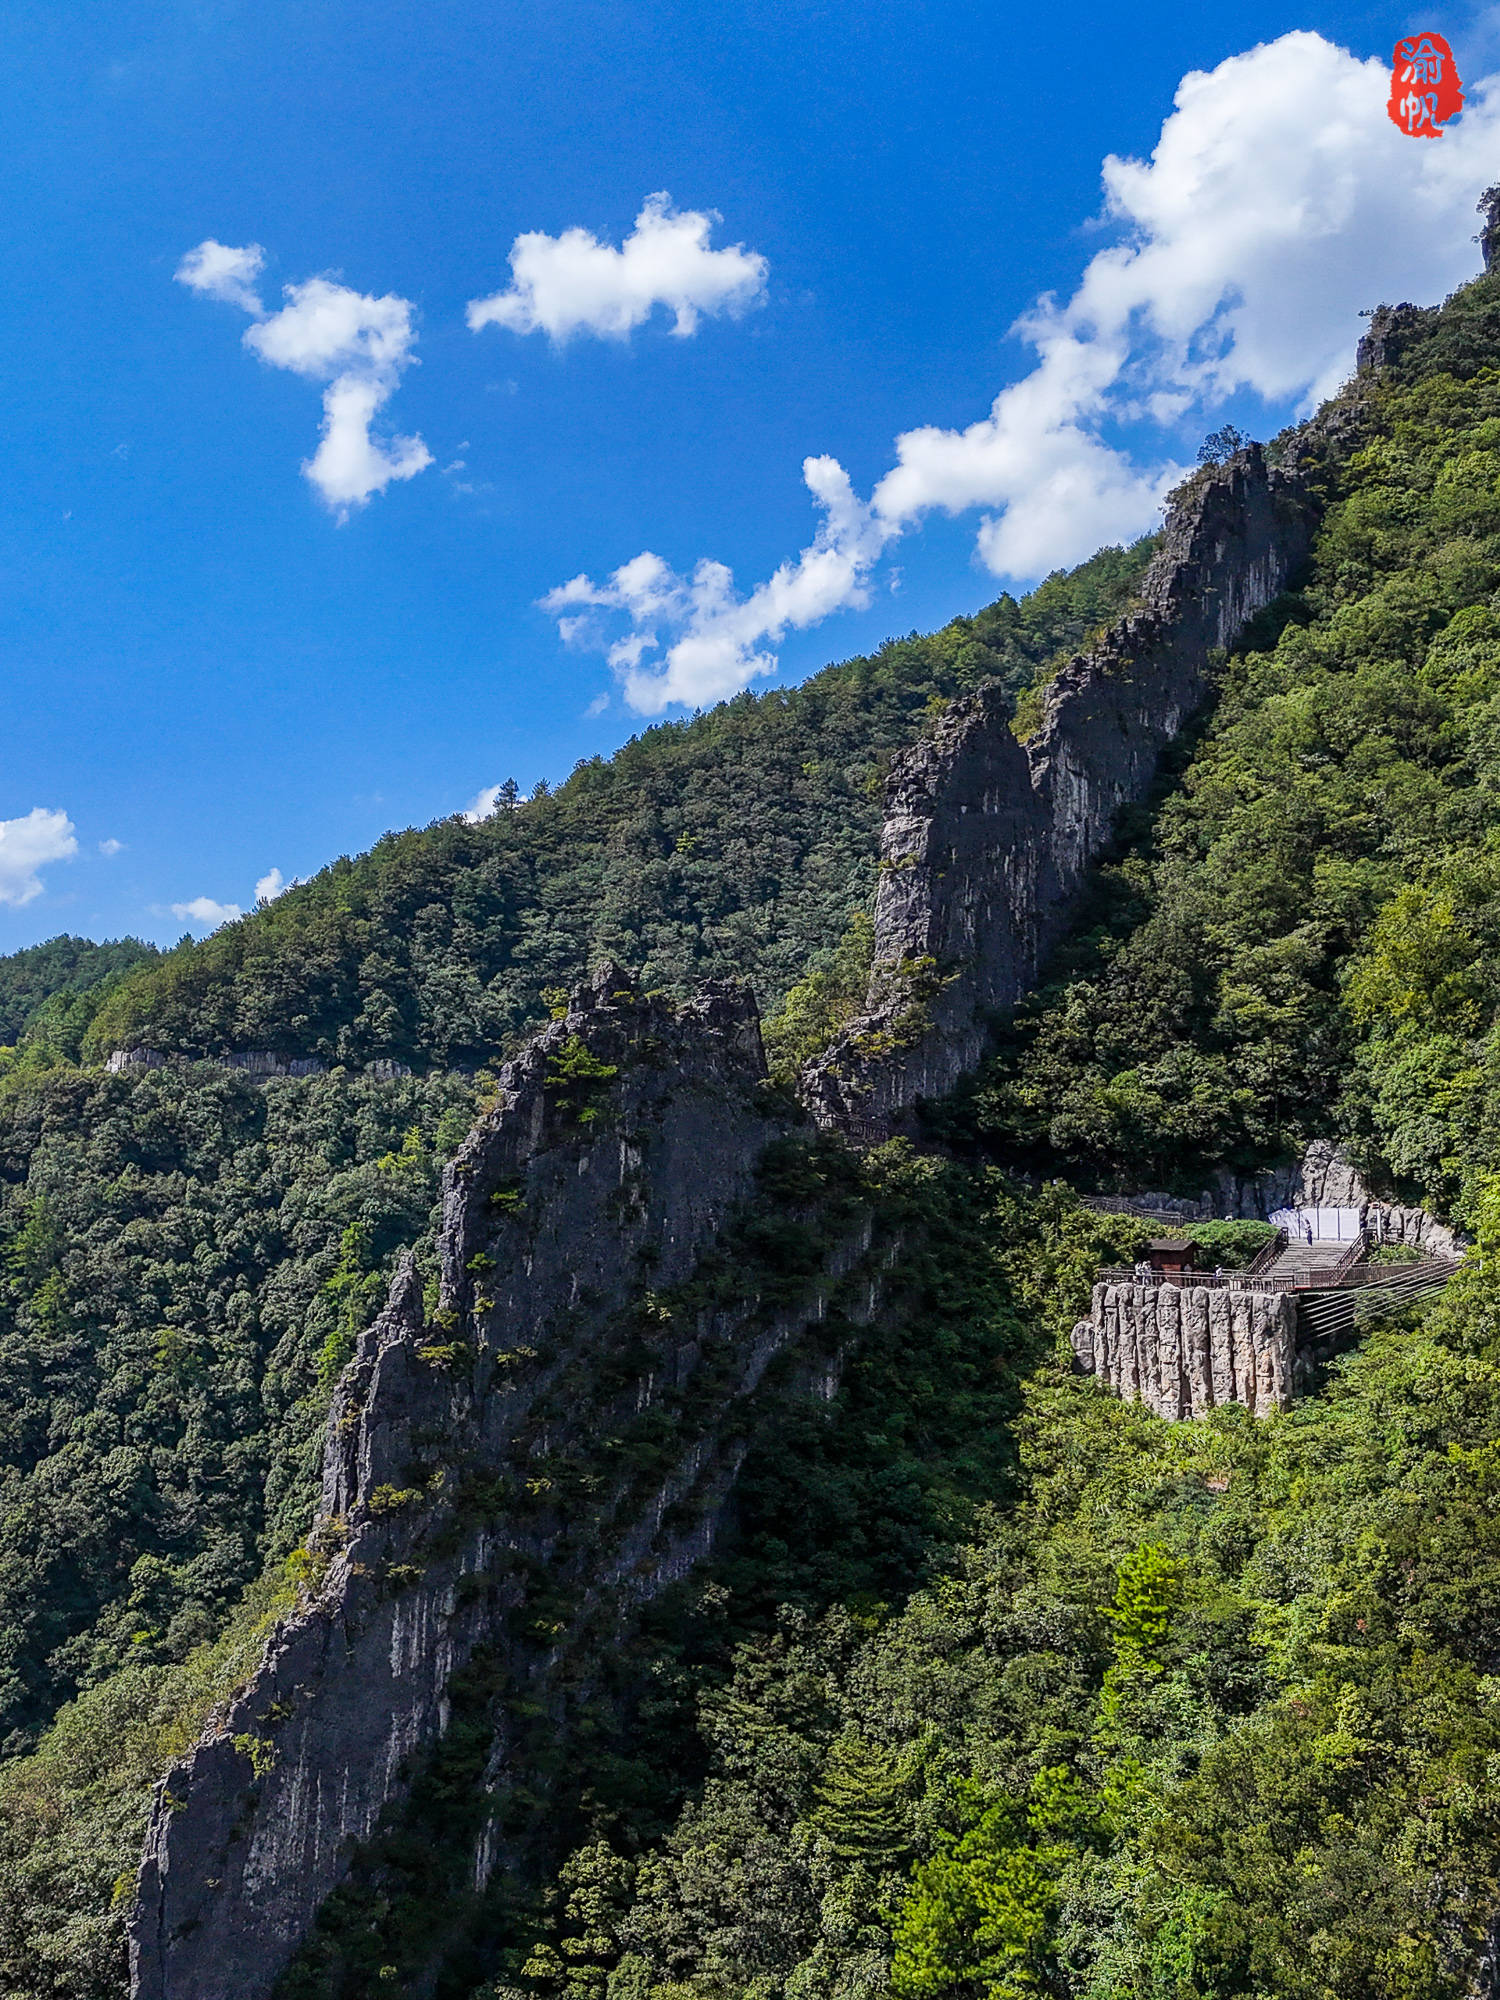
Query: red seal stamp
x,y
1425,90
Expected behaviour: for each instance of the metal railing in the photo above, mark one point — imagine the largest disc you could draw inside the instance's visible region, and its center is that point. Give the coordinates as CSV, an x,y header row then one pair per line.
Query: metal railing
x,y
1398,1279
1121,1204
1353,1257
1266,1257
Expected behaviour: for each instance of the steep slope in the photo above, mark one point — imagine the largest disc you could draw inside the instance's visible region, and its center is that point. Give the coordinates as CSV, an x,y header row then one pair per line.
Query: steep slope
x,y
276,1773
472,1489
1306,936
986,844
188,1255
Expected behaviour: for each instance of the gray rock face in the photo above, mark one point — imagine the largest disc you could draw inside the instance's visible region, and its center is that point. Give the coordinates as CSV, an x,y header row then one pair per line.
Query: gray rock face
x,y
256,1063
1326,1178
986,842
454,1469
550,1432
1183,1350
1489,227
1391,332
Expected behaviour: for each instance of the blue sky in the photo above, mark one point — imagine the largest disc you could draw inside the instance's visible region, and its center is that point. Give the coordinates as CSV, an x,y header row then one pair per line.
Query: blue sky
x,y
214,672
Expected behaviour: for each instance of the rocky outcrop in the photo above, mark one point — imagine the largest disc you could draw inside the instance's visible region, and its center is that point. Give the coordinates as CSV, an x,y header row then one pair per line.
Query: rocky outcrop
x,y
987,841
512,1465
257,1064
1184,1350
1489,227
543,1437
1325,1177
1392,330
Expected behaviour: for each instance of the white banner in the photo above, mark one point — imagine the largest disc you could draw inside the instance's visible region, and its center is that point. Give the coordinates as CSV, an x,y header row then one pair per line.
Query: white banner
x,y
1318,1225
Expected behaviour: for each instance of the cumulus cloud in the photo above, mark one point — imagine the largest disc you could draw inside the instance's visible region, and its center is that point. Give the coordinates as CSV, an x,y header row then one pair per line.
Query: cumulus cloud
x,y
573,283
356,344
110,848
27,845
483,804
204,910
1277,180
721,637
1277,177
269,887
220,271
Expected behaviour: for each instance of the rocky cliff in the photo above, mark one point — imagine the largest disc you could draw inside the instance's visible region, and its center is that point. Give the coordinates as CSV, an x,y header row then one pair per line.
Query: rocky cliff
x,y
1324,1177
986,841
511,1466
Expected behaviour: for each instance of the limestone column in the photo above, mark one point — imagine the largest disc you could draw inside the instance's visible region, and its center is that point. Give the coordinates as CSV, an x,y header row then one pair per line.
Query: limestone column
x,y
1275,1345
1105,1333
1221,1349
1284,1352
1082,1340
1150,1346
1169,1328
1108,1316
1199,1358
1130,1354
1242,1321
1264,1371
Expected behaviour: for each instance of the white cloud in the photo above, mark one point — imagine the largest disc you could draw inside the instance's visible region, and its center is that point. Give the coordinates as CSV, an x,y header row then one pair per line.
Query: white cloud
x,y
110,848
722,637
204,910
1277,177
1278,202
269,887
351,463
573,283
327,329
27,845
220,271
482,805
355,343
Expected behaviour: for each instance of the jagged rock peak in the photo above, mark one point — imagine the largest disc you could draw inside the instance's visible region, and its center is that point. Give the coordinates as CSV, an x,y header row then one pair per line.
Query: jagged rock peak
x,y
1391,331
986,842
618,1142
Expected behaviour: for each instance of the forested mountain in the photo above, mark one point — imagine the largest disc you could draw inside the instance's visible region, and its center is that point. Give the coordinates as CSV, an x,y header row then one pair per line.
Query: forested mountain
x,y
50,993
183,1247
997,1686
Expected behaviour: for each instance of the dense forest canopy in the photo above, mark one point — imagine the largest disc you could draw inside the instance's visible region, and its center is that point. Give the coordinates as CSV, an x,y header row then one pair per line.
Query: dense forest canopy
x,y
1000,1687
1306,937
50,992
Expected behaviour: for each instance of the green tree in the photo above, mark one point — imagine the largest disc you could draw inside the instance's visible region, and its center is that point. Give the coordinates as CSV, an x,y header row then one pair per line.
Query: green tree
x,y
977,1922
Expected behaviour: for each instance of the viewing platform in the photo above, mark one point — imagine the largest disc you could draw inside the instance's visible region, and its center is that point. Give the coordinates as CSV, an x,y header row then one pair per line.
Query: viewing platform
x,y
1185,1342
